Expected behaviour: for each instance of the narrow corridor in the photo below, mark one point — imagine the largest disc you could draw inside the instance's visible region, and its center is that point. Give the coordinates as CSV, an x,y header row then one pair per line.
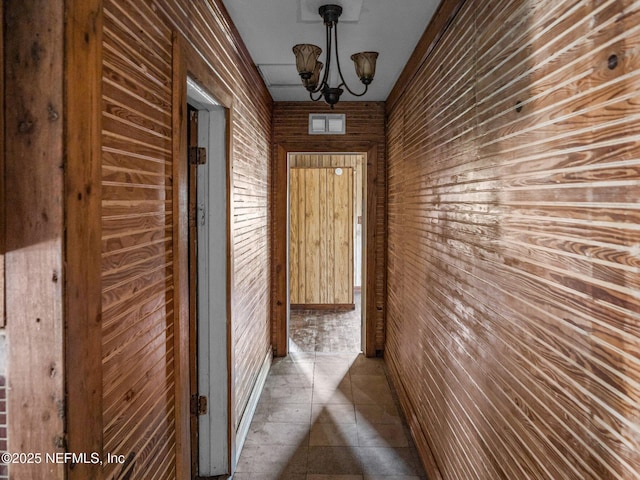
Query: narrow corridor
x,y
328,416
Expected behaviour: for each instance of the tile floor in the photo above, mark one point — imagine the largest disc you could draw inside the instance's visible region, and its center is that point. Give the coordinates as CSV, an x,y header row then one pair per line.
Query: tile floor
x,y
328,416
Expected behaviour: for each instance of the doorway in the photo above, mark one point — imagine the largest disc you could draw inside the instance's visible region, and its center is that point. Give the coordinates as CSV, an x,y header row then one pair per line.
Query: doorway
x,y
208,284
325,246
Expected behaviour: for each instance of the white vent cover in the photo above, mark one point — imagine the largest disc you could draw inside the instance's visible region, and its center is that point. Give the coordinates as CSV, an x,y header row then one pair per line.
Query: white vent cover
x,y
327,124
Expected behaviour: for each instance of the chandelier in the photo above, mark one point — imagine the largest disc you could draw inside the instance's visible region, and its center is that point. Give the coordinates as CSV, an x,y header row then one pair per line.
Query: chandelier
x,y
309,67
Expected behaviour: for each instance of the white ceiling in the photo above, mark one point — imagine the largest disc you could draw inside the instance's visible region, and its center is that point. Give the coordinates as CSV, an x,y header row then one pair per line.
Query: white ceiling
x,y
270,28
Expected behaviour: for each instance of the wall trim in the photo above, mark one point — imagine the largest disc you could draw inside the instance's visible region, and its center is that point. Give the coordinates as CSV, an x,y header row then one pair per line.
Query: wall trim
x,y
83,233
250,410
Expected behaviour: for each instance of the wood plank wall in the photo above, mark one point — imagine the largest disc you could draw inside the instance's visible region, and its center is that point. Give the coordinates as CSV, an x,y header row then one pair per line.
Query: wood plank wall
x,y
321,239
513,286
137,242
355,162
365,122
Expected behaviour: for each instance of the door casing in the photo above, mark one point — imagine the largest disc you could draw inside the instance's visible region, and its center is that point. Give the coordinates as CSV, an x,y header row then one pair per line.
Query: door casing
x,y
280,271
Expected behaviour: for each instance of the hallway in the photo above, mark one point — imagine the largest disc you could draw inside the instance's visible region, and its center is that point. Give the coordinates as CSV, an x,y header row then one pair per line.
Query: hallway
x,y
328,415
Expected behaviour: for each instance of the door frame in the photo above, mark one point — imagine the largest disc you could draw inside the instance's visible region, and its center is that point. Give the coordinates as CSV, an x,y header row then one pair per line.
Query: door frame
x,y
209,271
280,217
188,63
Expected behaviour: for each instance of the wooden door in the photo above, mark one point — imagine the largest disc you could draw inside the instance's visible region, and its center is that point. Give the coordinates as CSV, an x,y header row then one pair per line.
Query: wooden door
x,y
321,238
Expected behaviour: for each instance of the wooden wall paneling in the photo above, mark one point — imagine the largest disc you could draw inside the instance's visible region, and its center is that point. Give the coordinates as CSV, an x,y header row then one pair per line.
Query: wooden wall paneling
x,y
208,30
345,160
321,237
329,231
502,188
83,333
139,402
343,246
365,127
375,320
295,206
33,80
311,238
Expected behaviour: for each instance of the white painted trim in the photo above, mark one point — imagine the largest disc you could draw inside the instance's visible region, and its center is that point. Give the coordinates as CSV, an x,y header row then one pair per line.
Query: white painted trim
x,y
247,416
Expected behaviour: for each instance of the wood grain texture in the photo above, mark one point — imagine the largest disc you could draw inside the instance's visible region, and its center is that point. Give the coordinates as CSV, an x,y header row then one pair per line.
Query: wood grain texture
x,y
321,236
351,161
83,335
137,257
365,130
512,265
3,203
143,269
180,241
34,153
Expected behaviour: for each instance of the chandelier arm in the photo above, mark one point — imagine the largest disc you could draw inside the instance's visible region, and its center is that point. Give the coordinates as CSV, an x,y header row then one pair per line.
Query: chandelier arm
x,y
325,74
344,83
366,87
315,99
327,67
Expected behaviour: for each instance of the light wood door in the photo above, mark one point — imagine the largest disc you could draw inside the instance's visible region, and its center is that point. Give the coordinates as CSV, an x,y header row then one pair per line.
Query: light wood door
x,y
321,236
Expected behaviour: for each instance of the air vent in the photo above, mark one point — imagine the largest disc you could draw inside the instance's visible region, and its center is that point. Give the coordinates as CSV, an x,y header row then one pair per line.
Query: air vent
x,y
327,124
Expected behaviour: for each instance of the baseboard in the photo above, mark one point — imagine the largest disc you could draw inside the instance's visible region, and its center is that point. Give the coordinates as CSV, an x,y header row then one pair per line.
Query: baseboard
x,y
250,410
422,445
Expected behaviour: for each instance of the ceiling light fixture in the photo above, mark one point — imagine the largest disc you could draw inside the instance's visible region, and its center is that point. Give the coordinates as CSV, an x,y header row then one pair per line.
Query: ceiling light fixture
x,y
309,67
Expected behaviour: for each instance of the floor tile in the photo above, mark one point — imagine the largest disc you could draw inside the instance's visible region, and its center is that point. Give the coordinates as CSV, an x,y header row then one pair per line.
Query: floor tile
x,y
287,394
391,477
371,389
372,413
387,461
295,380
333,461
332,395
273,459
333,435
382,435
270,476
271,433
334,477
286,367
283,412
367,366
328,415
333,413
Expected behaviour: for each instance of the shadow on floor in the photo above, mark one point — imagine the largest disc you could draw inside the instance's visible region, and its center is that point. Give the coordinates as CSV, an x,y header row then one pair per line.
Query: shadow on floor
x,y
328,416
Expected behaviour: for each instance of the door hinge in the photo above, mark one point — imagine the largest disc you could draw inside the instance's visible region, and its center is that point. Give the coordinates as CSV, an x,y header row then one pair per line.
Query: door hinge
x,y
198,405
197,155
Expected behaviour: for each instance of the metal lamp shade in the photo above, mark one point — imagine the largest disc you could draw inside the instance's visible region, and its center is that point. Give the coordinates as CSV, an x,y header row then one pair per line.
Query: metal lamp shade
x,y
365,63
